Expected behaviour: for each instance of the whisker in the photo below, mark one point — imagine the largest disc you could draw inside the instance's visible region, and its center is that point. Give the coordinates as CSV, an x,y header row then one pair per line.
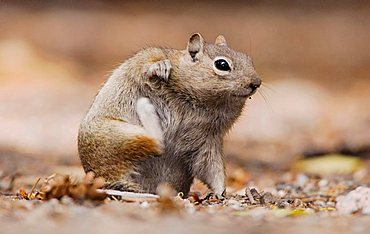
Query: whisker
x,y
263,96
259,91
268,86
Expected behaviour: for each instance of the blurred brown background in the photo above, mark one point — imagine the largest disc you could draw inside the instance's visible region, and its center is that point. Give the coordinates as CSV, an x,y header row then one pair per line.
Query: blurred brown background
x,y
314,58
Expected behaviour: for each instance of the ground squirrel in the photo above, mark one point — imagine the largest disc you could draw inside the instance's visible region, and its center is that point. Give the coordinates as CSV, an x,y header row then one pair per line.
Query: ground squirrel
x,y
162,115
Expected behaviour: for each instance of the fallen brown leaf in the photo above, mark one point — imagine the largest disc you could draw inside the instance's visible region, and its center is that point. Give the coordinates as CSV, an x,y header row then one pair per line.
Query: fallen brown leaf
x,y
58,186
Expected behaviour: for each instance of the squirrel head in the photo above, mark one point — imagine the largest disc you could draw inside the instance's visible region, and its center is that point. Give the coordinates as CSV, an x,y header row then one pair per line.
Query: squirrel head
x,y
213,73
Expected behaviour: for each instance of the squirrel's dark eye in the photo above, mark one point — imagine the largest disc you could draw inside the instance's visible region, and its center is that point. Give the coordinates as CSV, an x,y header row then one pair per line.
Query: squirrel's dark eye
x,y
222,64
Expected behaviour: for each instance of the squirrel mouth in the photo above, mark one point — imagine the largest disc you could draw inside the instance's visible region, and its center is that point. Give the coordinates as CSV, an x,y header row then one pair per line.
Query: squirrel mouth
x,y
240,96
244,93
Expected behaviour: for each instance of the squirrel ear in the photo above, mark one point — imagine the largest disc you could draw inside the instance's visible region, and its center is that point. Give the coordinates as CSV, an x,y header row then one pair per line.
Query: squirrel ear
x,y
195,45
220,40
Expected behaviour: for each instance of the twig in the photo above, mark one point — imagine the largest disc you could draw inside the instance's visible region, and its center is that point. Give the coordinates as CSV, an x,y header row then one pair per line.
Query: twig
x,y
33,188
250,196
129,195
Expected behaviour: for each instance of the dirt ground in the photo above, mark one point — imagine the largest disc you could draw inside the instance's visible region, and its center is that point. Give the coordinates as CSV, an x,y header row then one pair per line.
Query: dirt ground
x,y
298,159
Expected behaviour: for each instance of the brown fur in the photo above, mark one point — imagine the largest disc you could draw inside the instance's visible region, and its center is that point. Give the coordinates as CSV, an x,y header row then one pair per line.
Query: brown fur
x,y
196,107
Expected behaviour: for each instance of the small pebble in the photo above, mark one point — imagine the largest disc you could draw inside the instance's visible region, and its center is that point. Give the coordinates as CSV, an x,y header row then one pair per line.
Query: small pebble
x,y
357,200
323,183
144,204
301,180
268,198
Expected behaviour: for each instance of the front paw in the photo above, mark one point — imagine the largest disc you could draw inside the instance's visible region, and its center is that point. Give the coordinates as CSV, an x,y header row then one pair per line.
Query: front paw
x,y
160,69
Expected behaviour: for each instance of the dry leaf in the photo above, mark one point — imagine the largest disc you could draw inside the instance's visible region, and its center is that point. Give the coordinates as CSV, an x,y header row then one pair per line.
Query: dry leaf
x,y
58,186
166,201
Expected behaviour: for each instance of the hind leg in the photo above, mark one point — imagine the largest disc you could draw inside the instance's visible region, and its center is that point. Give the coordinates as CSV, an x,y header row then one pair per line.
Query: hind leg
x,y
143,135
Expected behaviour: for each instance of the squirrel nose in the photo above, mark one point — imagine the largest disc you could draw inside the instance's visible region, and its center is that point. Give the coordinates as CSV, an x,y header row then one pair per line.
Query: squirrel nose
x,y
256,82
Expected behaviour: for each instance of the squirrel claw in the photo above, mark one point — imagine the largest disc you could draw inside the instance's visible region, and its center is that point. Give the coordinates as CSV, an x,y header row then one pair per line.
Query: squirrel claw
x,y
215,196
161,69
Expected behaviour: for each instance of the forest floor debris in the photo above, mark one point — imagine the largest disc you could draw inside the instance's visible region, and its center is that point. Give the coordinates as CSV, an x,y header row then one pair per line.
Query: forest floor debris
x,y
297,192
